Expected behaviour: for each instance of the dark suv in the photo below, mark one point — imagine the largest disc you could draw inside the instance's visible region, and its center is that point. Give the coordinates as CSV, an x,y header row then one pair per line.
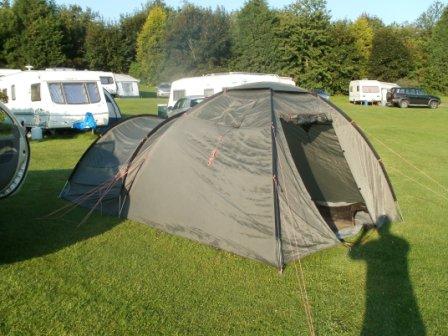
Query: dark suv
x,y
408,96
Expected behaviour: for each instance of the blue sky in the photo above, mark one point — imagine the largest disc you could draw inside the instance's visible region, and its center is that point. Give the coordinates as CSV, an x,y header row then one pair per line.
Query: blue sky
x,y
388,10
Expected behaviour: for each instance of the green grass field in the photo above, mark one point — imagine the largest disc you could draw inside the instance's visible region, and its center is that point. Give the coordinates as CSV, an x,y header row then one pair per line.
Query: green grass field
x,y
115,277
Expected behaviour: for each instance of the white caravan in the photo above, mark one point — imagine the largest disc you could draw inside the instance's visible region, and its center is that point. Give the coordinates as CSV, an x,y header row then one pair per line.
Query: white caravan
x,y
208,85
54,99
370,91
107,80
127,86
5,72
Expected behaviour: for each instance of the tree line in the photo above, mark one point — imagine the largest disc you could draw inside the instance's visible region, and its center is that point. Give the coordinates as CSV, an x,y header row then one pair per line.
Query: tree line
x,y
160,43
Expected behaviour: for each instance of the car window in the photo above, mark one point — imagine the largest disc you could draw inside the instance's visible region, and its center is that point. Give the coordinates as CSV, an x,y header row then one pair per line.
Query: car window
x,y
179,103
195,102
412,91
419,92
185,103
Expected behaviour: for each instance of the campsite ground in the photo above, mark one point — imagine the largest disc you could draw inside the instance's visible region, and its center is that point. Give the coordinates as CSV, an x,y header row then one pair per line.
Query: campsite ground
x,y
120,277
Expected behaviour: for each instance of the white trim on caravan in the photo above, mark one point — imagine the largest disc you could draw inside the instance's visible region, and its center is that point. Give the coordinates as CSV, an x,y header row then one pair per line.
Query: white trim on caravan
x,y
6,72
209,85
54,98
370,91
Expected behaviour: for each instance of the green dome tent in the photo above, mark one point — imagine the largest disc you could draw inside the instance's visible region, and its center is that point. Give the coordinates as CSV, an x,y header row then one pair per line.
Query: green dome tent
x,y
266,170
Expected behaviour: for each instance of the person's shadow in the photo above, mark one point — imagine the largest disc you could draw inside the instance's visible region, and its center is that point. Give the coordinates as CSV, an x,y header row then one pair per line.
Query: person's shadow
x,y
391,306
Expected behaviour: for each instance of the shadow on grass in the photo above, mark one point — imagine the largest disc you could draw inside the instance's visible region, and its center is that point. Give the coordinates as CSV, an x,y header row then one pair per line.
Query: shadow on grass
x,y
391,306
24,234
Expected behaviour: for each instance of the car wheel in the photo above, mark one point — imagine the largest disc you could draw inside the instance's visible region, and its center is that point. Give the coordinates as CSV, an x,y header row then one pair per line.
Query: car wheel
x,y
433,104
404,103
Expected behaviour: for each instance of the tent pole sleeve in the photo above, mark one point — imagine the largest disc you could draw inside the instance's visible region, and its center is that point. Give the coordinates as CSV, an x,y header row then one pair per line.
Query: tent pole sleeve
x,y
278,231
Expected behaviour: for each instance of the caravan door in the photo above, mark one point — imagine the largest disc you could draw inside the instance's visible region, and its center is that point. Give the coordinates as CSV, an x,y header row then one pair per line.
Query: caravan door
x,y
14,153
384,96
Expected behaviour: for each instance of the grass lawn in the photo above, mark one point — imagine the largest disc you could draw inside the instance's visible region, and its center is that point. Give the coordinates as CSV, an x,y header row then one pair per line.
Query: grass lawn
x,y
115,277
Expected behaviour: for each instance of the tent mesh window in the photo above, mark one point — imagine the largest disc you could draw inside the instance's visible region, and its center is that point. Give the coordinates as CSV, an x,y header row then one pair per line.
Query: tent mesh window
x,y
10,145
320,161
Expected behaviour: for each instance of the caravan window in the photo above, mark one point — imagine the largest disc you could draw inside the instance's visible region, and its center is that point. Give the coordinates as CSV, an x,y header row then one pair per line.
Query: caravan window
x,y
35,92
178,94
13,92
56,93
74,93
94,94
127,88
106,80
370,89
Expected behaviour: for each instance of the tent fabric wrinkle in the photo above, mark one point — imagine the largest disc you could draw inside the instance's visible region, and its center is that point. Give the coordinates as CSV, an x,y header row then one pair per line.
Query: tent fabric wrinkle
x,y
266,171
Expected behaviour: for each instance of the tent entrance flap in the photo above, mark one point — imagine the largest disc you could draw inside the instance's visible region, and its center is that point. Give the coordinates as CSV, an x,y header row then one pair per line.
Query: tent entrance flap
x,y
320,161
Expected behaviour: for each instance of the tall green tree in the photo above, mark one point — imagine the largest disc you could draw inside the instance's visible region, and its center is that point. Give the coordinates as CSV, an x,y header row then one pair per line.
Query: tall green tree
x,y
437,76
151,45
104,48
255,44
429,18
390,59
344,58
305,40
35,35
6,32
130,27
364,31
419,37
74,24
197,40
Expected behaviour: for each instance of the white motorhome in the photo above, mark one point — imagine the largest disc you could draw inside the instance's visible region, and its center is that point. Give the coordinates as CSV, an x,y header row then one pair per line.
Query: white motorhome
x,y
54,99
127,86
209,85
370,91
